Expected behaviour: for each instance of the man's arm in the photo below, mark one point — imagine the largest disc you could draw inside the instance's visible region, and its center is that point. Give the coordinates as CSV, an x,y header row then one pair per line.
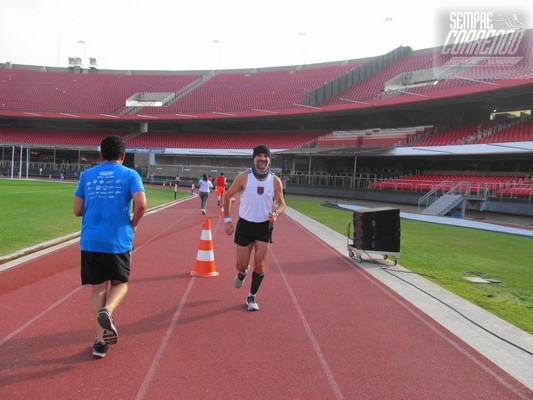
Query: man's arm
x,y
79,205
280,200
139,208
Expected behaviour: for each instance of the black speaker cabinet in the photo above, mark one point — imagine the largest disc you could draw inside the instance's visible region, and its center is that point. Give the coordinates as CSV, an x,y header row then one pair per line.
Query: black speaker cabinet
x,y
377,229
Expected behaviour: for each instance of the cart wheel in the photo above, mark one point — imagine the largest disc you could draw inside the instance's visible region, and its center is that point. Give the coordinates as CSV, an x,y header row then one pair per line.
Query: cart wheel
x,y
395,262
385,257
351,254
359,259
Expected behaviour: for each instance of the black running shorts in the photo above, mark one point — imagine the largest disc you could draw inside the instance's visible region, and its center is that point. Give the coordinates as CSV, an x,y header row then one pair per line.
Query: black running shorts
x,y
97,268
247,232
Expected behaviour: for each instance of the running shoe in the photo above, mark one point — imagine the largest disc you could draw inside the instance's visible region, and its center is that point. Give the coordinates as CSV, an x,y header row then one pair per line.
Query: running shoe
x,y
100,349
106,321
239,278
250,302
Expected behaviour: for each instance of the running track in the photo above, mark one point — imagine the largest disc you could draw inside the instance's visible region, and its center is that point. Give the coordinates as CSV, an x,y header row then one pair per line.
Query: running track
x,y
326,328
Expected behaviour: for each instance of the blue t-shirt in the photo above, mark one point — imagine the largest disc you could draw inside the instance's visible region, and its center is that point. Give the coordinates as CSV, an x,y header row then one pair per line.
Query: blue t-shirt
x,y
107,190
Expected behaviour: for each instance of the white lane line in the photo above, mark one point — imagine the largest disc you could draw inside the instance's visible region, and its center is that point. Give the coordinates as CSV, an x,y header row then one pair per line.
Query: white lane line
x,y
316,347
157,358
41,314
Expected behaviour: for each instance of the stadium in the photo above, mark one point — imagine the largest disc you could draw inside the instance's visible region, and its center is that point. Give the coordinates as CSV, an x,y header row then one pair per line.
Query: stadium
x,y
444,134
407,126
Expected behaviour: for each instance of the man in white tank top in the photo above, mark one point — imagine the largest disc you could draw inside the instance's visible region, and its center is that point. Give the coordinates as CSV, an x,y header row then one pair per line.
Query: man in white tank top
x,y
258,188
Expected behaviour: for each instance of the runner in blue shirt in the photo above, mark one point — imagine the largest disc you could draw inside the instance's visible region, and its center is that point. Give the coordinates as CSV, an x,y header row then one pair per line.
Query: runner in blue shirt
x,y
103,198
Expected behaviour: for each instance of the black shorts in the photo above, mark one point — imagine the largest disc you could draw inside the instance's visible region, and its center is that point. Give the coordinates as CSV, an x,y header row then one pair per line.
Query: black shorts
x,y
97,268
247,232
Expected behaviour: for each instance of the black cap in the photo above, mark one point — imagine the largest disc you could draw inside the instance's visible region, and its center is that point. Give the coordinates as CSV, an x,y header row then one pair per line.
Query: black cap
x,y
261,149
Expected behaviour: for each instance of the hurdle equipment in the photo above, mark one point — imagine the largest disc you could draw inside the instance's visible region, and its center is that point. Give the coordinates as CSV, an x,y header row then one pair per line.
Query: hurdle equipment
x,y
205,260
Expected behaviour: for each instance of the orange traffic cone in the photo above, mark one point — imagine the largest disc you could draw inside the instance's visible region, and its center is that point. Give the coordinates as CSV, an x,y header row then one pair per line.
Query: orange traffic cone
x,y
221,213
205,260
232,200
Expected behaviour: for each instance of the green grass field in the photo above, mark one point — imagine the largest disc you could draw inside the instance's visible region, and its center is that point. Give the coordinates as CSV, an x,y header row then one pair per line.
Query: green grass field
x,y
37,211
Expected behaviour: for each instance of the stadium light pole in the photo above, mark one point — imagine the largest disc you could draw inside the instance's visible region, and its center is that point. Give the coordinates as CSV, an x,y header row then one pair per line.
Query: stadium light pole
x,y
217,42
303,36
60,29
82,42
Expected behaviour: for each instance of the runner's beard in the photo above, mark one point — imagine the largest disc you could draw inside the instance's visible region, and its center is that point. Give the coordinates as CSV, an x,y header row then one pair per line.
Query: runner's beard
x,y
261,169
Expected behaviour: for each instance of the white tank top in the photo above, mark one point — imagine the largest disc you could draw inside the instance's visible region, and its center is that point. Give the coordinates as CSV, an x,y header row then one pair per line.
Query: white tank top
x,y
257,199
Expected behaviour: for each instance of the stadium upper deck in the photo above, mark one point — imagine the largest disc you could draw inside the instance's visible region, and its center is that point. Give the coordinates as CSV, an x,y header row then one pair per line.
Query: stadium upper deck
x,y
358,84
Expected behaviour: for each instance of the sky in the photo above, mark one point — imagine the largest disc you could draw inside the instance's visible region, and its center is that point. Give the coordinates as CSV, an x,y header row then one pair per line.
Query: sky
x,y
179,35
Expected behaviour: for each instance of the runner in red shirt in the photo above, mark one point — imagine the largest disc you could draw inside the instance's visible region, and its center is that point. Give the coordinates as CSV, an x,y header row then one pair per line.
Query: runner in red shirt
x,y
221,188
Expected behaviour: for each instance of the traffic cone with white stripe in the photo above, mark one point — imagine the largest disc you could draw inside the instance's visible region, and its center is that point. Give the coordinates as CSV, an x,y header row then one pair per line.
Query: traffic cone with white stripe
x,y
205,260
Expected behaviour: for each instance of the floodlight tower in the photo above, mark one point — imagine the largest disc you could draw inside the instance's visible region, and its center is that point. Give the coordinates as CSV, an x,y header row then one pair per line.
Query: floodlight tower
x,y
217,42
303,36
82,42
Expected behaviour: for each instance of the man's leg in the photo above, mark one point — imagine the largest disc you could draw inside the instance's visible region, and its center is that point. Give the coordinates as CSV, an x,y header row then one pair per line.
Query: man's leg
x,y
220,194
243,257
242,263
98,299
105,318
116,294
261,251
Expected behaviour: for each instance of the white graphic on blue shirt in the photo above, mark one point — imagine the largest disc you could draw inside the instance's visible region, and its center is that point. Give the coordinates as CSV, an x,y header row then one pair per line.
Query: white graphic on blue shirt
x,y
107,190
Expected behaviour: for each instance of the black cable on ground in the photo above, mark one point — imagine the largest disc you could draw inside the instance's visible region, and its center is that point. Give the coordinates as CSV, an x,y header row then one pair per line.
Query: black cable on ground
x,y
387,270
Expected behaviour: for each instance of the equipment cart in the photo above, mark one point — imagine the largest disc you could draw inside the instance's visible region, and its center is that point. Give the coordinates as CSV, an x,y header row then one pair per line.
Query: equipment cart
x,y
374,231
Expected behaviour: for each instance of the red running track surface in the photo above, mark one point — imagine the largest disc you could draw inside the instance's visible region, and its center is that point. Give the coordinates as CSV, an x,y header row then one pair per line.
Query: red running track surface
x,y
325,330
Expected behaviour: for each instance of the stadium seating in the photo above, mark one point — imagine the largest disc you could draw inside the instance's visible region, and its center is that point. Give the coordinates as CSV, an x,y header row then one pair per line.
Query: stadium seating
x,y
372,138
522,132
479,133
482,74
220,140
519,191
53,137
372,87
268,90
474,184
205,140
521,70
460,135
65,92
